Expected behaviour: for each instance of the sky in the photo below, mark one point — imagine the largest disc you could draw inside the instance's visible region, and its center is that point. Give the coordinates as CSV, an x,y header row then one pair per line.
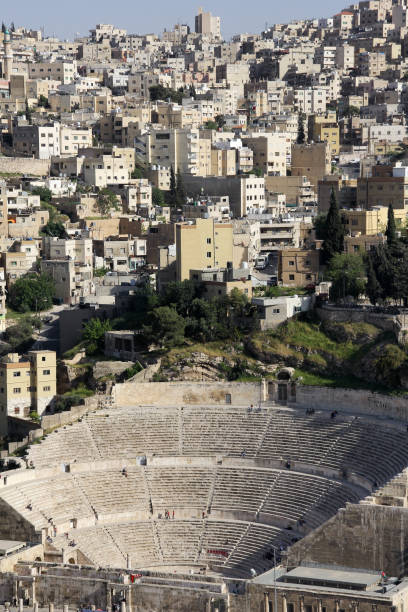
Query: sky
x,y
66,19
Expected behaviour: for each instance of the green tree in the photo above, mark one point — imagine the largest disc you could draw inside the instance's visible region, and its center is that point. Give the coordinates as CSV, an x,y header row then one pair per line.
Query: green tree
x,y
93,335
301,137
159,92
347,273
181,192
106,201
158,197
373,287
333,231
20,336
320,226
44,193
391,231
54,228
180,295
173,199
166,327
43,102
210,125
257,171
32,292
220,121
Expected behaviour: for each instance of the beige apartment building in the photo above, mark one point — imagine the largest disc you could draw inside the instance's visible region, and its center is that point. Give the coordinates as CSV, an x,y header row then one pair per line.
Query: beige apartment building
x,y
202,244
371,222
206,23
387,185
21,260
27,383
298,267
187,150
270,151
312,161
72,139
62,71
108,169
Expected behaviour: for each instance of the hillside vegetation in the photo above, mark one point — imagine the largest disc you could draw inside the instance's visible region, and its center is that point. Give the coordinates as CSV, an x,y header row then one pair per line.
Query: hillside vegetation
x,y
353,355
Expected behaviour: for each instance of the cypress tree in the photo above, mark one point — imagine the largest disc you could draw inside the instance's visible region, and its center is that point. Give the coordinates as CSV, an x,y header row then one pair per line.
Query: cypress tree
x,y
333,231
301,129
173,188
373,287
391,231
181,192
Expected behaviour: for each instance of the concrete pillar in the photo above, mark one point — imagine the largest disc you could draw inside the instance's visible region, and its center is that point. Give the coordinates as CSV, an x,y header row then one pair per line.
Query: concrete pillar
x,y
129,562
302,604
65,607
33,596
35,607
337,606
319,606
50,607
20,605
285,604
123,606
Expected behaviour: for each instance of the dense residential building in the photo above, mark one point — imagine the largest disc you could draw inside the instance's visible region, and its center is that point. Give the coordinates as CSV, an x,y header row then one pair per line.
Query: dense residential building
x,y
28,383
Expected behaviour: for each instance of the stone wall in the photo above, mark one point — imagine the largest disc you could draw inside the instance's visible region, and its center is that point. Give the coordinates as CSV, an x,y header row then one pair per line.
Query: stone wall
x,y
353,401
52,421
178,393
360,536
24,165
13,526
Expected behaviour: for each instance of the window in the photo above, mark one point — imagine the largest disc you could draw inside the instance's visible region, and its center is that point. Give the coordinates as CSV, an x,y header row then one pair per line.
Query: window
x,y
276,310
16,373
208,240
291,263
46,372
291,277
208,253
17,390
47,388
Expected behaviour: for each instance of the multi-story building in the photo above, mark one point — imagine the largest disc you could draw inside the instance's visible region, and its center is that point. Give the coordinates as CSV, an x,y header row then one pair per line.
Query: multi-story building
x,y
62,71
312,161
202,244
298,267
73,281
270,151
28,383
205,23
120,254
187,150
72,139
324,128
386,185
37,141
78,250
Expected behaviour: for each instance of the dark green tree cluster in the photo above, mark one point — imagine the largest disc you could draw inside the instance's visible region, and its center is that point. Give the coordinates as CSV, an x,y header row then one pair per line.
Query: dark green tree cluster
x,y
387,267
177,193
183,312
159,92
94,335
20,335
54,228
301,136
333,231
32,293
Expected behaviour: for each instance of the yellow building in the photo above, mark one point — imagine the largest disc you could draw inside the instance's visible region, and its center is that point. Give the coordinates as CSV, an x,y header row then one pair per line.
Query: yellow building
x,y
370,222
325,129
202,244
298,267
27,383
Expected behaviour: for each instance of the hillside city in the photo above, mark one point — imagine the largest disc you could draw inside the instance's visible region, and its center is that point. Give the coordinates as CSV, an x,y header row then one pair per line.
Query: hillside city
x,y
204,316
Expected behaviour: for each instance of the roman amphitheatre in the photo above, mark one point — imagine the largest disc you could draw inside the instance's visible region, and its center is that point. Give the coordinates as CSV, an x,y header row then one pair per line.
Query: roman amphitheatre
x,y
209,484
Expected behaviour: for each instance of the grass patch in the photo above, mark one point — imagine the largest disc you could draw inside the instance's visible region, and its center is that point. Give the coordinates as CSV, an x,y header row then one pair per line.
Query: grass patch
x,y
80,391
